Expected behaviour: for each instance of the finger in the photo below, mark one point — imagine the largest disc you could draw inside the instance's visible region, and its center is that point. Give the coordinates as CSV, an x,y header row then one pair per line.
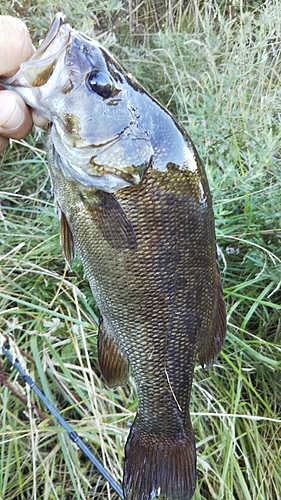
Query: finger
x,y
38,120
15,116
3,143
17,49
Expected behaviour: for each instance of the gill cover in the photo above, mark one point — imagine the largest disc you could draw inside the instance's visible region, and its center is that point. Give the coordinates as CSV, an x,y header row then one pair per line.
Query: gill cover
x,y
77,85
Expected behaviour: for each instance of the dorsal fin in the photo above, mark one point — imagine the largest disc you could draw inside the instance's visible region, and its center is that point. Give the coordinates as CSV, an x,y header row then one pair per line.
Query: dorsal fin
x,y
210,349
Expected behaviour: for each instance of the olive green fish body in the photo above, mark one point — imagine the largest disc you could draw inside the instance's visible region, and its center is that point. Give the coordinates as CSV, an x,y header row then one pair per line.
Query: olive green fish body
x,y
135,203
158,289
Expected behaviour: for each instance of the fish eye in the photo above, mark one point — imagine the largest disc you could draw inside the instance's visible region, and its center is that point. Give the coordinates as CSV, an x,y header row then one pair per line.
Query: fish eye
x,y
100,83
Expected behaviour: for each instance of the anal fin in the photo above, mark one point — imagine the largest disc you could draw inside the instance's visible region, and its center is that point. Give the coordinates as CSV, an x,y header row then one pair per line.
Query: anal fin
x,y
113,363
158,466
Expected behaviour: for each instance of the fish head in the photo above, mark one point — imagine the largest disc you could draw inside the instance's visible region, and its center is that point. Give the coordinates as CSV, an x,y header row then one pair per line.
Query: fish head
x,y
93,106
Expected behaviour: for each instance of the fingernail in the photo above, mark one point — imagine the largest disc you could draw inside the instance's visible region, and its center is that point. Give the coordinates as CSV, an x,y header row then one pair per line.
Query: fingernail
x,y
15,119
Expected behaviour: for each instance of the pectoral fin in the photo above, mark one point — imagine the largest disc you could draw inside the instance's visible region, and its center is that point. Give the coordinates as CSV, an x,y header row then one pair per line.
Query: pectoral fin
x,y
109,214
113,363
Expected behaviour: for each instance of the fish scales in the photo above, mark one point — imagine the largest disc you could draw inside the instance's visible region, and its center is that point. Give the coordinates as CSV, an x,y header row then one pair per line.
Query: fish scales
x,y
159,301
145,233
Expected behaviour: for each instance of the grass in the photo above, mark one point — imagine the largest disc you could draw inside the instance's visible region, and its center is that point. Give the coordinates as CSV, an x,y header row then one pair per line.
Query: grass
x,y
216,66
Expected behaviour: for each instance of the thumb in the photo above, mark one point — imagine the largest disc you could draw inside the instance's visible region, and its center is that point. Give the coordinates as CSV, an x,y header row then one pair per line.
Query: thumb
x,y
15,117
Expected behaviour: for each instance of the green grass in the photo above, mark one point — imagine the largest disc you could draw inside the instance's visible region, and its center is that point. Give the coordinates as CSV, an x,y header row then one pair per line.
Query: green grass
x,y
217,67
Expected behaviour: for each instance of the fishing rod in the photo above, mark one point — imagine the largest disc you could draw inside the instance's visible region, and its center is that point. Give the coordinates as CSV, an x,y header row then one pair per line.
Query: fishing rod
x,y
72,434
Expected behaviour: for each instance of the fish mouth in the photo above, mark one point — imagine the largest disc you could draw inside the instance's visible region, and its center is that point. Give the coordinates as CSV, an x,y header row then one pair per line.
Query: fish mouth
x,y
38,69
29,82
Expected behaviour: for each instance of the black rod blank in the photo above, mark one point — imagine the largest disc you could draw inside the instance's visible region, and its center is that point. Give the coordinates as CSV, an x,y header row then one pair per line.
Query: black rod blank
x,y
72,434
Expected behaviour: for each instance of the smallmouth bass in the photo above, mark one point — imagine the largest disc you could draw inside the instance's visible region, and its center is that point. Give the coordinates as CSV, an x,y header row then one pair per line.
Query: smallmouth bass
x,y
135,203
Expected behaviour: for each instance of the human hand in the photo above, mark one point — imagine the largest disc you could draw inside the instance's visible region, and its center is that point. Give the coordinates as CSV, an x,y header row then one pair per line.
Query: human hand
x,y
16,119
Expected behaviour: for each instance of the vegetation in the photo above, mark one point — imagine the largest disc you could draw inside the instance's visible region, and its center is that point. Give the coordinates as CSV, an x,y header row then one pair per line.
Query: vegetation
x,y
216,66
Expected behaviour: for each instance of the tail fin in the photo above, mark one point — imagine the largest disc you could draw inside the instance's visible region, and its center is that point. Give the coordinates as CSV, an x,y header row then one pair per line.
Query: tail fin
x,y
159,466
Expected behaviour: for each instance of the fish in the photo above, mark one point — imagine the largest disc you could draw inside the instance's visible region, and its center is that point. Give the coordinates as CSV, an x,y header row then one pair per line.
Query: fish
x,y
135,203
